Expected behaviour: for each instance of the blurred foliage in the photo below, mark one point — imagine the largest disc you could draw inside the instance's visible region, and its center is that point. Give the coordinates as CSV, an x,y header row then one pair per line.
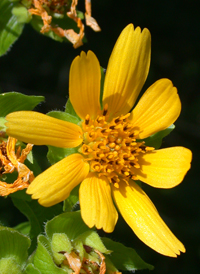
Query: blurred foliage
x,y
37,65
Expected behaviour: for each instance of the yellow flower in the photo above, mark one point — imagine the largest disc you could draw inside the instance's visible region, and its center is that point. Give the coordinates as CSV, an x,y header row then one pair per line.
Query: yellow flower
x,y
110,152
11,161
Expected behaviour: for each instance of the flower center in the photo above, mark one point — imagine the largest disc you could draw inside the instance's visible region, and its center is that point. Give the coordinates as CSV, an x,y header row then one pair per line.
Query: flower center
x,y
111,147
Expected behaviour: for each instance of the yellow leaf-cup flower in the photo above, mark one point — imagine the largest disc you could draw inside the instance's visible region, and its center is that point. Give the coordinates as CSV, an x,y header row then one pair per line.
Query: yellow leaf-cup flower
x,y
110,152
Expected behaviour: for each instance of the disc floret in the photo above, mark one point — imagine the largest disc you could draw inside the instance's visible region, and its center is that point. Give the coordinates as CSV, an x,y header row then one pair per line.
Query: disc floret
x,y
111,147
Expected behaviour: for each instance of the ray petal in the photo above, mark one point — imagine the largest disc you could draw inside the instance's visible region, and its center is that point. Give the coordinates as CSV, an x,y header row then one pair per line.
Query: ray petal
x,y
141,215
55,184
40,129
96,203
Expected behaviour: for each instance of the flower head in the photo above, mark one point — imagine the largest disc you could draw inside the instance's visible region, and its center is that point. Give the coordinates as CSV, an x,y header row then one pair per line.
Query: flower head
x,y
111,153
11,161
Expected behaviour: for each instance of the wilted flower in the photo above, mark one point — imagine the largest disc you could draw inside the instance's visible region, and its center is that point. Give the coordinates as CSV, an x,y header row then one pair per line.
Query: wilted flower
x,y
46,9
10,161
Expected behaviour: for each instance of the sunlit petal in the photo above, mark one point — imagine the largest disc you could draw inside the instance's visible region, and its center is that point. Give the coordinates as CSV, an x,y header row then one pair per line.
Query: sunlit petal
x,y
84,85
127,70
139,213
39,129
96,204
55,184
164,168
158,108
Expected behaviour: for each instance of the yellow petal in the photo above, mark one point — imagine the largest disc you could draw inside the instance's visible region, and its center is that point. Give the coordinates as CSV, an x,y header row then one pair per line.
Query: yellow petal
x,y
84,85
142,216
158,108
96,203
55,184
127,70
164,168
40,129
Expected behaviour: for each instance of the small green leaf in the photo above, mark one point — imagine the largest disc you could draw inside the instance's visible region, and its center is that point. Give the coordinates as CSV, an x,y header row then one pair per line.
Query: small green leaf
x,y
22,13
64,116
69,223
72,200
43,259
60,242
70,109
125,258
14,247
14,101
10,28
31,269
9,265
23,228
56,154
155,140
92,239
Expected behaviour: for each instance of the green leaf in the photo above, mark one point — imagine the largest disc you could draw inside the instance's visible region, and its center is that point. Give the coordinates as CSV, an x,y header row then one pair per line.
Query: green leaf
x,y
22,13
31,269
23,228
72,200
37,215
14,101
64,116
13,251
70,109
43,258
69,223
10,28
92,239
155,140
56,154
125,258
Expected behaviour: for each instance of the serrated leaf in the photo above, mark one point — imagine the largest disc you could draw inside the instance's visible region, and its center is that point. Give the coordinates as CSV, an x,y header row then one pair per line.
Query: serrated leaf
x,y
43,258
70,223
56,154
155,140
14,101
125,258
37,216
10,28
70,109
13,245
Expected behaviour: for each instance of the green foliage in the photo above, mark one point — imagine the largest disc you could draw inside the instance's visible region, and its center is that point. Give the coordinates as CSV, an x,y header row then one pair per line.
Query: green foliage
x,y
14,101
125,258
13,251
70,109
37,216
155,140
10,28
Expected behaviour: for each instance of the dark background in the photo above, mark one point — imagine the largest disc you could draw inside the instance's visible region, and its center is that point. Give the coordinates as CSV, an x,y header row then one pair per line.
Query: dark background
x,y
38,65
